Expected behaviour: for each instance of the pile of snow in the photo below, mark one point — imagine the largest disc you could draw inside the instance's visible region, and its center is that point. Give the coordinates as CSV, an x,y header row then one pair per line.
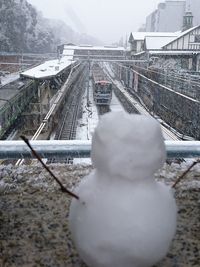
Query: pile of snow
x,y
124,217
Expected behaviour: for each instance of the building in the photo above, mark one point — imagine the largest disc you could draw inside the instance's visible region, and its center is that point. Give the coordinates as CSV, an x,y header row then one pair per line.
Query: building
x,y
183,50
189,44
187,20
137,40
168,17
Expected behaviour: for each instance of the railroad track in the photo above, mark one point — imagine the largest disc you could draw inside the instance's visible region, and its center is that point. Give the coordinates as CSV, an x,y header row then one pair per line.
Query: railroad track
x,y
133,106
67,129
68,125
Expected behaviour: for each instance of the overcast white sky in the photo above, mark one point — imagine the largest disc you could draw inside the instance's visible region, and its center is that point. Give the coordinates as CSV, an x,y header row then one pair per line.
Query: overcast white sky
x,y
107,20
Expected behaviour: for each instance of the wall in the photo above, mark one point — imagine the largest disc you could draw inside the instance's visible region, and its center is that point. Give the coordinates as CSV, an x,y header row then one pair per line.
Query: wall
x,y
171,16
168,17
187,42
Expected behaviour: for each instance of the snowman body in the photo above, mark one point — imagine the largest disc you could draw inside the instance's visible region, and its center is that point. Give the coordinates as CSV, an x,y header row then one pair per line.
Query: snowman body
x,y
127,219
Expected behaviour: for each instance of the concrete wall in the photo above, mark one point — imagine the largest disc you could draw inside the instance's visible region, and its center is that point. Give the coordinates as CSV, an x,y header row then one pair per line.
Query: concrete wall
x,y
171,16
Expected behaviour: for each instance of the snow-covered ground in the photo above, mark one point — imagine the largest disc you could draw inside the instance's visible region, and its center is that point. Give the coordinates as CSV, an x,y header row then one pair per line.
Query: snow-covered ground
x,y
115,105
90,118
167,134
34,216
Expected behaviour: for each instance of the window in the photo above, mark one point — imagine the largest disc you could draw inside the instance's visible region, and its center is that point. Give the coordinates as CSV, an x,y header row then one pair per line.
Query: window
x,y
197,38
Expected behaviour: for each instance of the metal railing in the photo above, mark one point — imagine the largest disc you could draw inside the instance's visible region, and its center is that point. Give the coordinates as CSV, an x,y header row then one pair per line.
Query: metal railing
x,y
82,149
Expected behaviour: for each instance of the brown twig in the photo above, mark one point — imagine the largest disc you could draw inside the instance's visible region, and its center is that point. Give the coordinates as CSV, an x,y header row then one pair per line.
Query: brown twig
x,y
63,189
185,173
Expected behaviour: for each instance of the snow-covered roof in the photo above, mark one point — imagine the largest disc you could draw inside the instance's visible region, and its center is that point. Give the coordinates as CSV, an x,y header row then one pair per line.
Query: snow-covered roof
x,y
141,35
90,47
11,89
48,69
69,53
183,33
157,42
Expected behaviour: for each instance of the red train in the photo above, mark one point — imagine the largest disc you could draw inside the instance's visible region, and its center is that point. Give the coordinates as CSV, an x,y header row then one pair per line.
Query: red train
x,y
102,86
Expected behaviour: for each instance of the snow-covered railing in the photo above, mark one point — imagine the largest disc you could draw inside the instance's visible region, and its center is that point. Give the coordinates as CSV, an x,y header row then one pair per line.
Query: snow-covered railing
x,y
81,149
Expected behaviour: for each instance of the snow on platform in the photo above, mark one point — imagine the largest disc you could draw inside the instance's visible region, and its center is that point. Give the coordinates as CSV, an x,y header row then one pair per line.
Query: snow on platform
x,y
115,105
88,122
49,68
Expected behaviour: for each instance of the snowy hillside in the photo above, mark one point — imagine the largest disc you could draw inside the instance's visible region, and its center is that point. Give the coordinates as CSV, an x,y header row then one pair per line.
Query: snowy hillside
x,y
24,29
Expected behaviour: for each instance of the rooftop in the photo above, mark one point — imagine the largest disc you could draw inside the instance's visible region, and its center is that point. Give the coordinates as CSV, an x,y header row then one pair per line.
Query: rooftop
x,y
10,90
49,68
141,35
157,42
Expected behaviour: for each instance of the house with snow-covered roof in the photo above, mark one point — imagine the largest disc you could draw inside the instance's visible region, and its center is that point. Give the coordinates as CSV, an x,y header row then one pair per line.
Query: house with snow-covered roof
x,y
187,40
184,47
137,39
156,42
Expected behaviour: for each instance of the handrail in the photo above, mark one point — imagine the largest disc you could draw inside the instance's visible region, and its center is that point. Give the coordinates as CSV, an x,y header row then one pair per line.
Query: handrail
x,y
82,149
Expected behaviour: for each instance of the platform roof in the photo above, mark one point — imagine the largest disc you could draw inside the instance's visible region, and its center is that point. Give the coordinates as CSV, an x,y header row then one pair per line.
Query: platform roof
x,y
10,90
49,68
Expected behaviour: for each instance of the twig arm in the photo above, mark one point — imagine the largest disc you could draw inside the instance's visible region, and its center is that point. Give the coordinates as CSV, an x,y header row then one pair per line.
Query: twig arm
x,y
185,173
63,189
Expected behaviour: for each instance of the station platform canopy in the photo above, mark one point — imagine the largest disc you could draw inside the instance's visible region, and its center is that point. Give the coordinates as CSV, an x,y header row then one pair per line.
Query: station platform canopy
x,y
49,68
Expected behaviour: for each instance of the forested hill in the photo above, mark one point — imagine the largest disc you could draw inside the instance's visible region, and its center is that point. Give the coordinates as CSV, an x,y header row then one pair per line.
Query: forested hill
x,y
24,29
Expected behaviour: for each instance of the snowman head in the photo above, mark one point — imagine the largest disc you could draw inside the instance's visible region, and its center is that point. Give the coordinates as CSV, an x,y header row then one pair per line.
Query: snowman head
x,y
129,146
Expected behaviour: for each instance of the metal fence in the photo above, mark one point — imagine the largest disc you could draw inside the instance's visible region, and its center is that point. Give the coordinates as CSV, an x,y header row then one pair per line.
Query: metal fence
x,y
82,149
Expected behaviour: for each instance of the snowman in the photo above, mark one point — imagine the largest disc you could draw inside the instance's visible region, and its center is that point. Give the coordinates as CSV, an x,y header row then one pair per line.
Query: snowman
x,y
124,218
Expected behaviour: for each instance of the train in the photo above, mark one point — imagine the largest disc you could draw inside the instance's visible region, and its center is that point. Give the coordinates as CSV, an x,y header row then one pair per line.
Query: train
x,y
102,86
14,98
